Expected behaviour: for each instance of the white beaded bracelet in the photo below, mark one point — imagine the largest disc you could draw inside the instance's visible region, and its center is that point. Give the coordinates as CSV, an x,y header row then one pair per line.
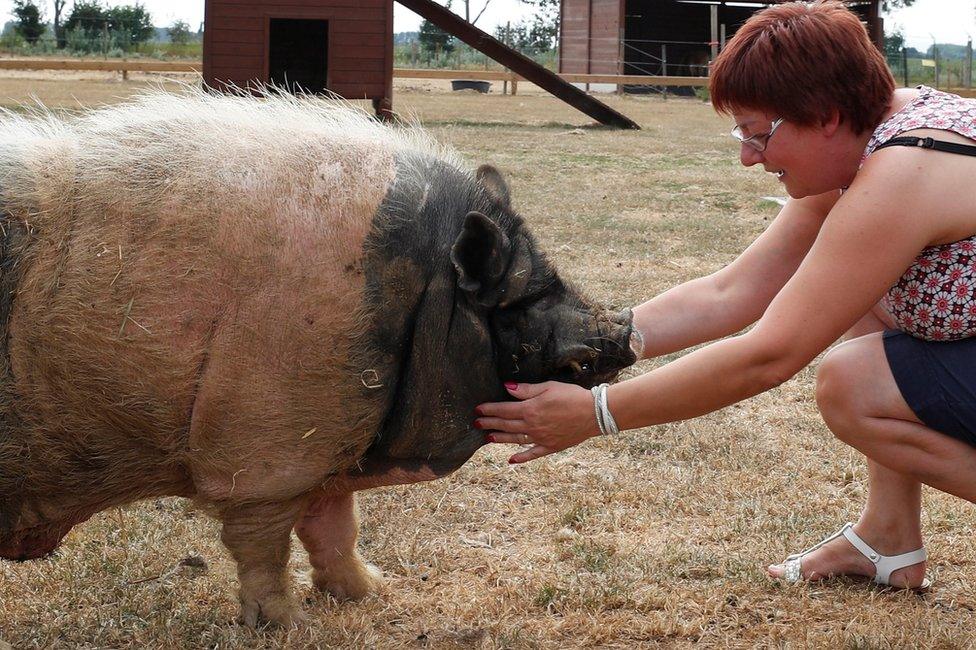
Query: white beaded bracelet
x,y
596,407
608,420
604,419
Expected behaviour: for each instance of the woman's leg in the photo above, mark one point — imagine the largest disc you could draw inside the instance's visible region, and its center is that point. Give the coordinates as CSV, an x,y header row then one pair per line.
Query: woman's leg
x,y
890,523
858,397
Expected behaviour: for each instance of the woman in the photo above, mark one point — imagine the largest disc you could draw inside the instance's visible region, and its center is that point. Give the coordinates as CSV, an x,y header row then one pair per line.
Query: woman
x,y
878,241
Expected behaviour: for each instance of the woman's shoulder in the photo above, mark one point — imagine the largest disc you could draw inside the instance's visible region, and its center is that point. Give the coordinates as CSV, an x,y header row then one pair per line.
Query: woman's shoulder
x,y
901,99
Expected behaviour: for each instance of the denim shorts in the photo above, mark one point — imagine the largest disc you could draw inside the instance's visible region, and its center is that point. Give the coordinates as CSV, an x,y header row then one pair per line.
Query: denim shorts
x,y
937,380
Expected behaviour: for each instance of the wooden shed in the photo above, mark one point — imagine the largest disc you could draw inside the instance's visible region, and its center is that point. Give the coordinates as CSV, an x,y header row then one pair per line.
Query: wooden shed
x,y
662,37
344,46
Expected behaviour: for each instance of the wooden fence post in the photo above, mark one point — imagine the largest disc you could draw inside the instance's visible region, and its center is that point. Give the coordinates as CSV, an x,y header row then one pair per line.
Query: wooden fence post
x,y
969,64
904,59
664,66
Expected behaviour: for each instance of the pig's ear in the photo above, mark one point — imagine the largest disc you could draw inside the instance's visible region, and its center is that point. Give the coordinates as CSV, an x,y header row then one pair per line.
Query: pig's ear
x,y
486,262
493,181
480,255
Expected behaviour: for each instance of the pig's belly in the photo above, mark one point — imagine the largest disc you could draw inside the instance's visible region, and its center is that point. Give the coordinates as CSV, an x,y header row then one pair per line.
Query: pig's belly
x,y
343,483
374,473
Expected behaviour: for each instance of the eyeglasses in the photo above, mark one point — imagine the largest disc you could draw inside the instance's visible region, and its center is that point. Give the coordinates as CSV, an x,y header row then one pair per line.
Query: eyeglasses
x,y
758,141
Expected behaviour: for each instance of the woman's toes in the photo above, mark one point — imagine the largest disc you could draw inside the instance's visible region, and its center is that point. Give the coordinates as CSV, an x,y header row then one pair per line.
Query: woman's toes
x,y
776,570
835,558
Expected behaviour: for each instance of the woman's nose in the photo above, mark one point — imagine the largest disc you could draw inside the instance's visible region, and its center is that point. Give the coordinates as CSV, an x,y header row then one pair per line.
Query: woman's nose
x,y
749,156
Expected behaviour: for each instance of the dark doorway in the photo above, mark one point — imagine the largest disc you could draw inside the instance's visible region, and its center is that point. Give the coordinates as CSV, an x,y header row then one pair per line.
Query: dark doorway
x,y
298,54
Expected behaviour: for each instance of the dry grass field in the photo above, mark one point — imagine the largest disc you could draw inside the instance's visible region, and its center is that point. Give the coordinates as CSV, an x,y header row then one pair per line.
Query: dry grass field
x,y
656,538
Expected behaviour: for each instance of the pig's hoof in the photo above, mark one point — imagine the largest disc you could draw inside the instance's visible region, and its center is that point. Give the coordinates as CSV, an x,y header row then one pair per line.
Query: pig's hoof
x,y
274,610
351,582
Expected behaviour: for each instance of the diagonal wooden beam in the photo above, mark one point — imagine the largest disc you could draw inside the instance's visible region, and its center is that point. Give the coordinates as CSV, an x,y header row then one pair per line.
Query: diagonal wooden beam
x,y
518,63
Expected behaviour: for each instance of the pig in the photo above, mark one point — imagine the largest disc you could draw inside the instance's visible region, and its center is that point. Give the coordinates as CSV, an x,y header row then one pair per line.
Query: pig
x,y
262,304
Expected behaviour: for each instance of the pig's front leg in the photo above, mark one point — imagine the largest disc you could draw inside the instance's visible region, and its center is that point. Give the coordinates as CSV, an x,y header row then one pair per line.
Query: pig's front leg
x,y
328,530
259,538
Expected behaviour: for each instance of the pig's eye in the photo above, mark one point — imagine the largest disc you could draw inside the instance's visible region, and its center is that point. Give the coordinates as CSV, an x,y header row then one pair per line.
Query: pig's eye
x,y
580,368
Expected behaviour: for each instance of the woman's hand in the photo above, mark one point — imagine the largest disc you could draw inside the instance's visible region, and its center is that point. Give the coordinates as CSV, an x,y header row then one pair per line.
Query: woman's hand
x,y
551,416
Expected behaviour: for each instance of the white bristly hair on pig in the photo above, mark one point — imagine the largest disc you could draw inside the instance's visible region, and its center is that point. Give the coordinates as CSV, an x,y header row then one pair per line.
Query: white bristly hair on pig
x,y
191,139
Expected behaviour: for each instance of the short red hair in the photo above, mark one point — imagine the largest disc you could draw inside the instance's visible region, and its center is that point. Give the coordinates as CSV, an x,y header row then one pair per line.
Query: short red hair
x,y
803,61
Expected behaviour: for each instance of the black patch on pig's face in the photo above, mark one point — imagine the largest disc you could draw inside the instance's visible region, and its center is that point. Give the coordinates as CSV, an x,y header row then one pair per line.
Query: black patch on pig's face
x,y
558,335
542,329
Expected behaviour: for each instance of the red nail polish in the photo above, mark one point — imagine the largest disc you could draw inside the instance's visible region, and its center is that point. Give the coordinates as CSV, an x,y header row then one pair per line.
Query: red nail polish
x,y
478,425
490,438
477,410
511,385
511,461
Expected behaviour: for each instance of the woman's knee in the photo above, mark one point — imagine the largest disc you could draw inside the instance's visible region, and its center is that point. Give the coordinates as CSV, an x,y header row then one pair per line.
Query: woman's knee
x,y
843,381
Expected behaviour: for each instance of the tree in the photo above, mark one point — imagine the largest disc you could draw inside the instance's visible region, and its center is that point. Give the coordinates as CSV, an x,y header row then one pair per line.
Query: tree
x,y
125,25
894,42
179,32
87,18
888,5
28,21
530,36
544,25
58,27
536,34
130,24
434,39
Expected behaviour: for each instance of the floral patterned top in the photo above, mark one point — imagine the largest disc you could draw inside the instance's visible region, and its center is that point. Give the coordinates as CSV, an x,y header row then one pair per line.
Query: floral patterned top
x,y
935,299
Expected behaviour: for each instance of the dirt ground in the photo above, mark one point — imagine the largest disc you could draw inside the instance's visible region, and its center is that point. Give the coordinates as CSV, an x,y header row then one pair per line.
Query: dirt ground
x,y
657,537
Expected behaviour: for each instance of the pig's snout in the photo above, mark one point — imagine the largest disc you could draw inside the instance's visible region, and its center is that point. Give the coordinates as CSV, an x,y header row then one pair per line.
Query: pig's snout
x,y
618,348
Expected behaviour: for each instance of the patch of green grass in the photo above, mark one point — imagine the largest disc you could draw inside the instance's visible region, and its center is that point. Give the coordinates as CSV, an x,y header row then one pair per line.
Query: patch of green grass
x,y
594,557
548,596
577,516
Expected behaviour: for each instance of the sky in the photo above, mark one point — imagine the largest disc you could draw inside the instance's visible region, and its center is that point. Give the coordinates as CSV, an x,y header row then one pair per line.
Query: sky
x,y
949,21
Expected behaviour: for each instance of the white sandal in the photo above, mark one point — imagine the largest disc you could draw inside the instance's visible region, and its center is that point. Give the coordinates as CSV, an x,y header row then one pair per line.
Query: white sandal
x,y
884,565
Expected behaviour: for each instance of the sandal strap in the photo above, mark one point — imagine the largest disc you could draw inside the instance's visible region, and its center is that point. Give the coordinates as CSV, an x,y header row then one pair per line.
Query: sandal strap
x,y
884,565
825,540
793,564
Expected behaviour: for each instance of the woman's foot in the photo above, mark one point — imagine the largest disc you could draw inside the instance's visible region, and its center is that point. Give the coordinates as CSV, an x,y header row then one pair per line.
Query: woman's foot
x,y
839,557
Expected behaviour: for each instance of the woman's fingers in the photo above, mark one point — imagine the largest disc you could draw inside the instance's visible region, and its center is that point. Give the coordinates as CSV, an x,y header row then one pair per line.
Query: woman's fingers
x,y
512,410
499,424
510,438
506,410
536,451
525,391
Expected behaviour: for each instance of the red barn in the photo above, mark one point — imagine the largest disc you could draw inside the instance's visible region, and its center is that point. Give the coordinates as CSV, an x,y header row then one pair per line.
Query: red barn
x,y
345,46
662,37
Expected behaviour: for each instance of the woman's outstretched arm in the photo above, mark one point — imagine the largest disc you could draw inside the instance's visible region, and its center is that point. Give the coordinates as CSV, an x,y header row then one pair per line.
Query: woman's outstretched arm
x,y
734,297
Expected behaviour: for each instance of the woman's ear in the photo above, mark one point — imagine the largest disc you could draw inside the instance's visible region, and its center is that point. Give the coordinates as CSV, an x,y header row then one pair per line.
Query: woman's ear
x,y
831,123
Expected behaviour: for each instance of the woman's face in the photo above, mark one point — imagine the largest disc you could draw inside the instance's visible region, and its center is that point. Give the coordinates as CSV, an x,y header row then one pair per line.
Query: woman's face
x,y
807,160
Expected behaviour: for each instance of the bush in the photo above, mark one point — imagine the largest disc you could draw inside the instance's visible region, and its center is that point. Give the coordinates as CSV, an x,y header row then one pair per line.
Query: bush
x,y
79,41
12,40
179,32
